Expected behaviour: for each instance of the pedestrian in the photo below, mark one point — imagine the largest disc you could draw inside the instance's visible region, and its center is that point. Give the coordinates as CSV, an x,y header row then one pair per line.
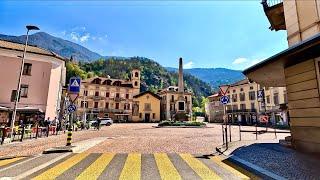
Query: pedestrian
x,y
98,123
47,124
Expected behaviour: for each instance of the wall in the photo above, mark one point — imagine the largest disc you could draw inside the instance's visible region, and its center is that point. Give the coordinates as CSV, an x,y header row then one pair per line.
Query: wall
x,y
302,19
155,108
167,100
304,105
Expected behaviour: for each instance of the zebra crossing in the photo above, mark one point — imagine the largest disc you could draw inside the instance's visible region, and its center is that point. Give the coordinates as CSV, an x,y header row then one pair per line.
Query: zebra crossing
x,y
84,166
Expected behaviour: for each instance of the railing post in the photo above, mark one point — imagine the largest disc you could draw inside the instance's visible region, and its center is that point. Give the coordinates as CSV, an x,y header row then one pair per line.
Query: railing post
x,y
240,131
3,135
222,133
256,133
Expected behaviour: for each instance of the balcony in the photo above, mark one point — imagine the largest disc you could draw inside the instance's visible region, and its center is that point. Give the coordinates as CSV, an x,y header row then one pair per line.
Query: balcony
x,y
242,111
275,14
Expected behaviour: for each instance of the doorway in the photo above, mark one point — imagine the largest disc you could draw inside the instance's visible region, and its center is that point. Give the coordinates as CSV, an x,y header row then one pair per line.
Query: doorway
x,y
147,117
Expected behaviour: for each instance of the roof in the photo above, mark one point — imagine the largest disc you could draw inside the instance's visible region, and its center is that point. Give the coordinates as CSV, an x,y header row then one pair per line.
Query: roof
x,y
124,83
147,92
270,72
308,43
30,49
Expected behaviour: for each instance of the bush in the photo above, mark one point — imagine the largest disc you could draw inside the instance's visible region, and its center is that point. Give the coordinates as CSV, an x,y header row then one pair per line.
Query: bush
x,y
178,123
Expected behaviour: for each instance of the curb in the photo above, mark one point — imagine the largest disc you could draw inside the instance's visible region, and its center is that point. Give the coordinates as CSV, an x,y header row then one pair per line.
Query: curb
x,y
62,149
265,174
10,157
179,126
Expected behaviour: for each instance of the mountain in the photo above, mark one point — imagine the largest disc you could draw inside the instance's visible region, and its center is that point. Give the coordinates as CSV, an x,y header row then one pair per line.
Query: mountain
x,y
60,46
153,76
213,76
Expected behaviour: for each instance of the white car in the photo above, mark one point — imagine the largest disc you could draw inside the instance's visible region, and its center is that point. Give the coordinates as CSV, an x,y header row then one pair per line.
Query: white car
x,y
106,121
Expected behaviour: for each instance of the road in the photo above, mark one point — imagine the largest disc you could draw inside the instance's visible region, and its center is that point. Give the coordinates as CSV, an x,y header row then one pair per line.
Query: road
x,y
125,151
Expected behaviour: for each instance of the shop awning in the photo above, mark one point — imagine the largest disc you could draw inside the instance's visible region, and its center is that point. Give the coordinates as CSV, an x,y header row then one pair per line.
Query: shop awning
x,y
270,72
3,108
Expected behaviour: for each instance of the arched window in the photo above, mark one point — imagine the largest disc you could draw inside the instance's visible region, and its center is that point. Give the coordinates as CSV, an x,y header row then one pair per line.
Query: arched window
x,y
117,83
136,74
136,83
96,81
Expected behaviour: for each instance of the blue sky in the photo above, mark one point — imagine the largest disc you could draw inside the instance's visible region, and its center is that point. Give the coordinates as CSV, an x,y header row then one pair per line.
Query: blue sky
x,y
230,34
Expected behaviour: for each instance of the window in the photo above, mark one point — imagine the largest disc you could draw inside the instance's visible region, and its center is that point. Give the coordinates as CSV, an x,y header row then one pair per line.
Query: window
x,y
117,95
242,96
27,69
252,95
107,94
153,115
107,105
127,96
96,104
285,97
181,106
242,106
84,104
24,91
252,106
136,83
147,106
85,92
128,106
235,107
241,89
251,87
136,74
172,98
140,115
268,99
96,93
234,98
186,98
276,99
117,105
234,91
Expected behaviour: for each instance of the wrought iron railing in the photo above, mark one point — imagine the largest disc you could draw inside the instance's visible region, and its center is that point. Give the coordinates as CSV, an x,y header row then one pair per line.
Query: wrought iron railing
x,y
269,3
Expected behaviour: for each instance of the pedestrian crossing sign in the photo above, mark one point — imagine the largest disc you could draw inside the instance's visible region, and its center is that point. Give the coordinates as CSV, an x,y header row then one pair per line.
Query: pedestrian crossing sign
x,y
74,85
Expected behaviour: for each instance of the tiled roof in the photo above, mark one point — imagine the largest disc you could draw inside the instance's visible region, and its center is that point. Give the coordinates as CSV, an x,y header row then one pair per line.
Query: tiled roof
x,y
30,49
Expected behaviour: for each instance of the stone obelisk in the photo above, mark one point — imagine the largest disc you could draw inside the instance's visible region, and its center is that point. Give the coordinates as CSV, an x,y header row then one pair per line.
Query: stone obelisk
x,y
180,80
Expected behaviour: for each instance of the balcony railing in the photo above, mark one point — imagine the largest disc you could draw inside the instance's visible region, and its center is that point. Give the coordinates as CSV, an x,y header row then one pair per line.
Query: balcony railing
x,y
242,111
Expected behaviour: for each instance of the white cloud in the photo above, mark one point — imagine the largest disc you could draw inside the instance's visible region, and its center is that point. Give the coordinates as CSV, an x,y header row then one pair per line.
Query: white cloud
x,y
74,36
240,61
84,38
188,65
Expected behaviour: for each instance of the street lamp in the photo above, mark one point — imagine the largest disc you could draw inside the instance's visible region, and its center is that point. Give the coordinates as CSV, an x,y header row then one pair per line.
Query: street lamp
x,y
29,27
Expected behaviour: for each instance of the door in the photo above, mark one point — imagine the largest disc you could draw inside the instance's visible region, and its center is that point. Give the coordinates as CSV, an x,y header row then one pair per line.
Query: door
x,y
147,117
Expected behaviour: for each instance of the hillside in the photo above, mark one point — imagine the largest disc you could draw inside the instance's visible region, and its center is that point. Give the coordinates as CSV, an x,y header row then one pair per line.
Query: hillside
x,y
60,46
153,75
214,76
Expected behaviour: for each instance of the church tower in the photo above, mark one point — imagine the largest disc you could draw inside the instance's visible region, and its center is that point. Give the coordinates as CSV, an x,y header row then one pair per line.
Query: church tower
x,y
135,79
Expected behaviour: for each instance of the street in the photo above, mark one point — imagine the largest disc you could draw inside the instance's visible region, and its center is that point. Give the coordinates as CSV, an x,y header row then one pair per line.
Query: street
x,y
126,151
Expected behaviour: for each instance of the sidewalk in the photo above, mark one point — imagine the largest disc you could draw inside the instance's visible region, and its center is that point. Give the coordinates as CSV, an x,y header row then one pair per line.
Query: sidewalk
x,y
276,159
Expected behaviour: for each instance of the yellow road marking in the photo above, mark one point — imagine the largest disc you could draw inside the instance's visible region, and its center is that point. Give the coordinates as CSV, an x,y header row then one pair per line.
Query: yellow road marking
x,y
218,160
132,167
96,168
166,169
202,170
62,167
8,161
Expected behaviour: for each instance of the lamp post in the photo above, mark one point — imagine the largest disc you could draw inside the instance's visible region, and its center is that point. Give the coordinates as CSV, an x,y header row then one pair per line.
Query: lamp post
x,y
29,27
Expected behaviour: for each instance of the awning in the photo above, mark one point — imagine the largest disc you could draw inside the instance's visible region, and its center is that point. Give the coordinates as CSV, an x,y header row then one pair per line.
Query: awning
x,y
3,108
29,109
270,72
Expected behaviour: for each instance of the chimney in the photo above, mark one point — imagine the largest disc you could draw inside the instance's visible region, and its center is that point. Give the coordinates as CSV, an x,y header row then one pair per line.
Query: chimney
x,y
180,83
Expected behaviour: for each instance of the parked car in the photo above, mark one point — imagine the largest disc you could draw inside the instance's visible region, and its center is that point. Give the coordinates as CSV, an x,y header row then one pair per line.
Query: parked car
x,y
106,121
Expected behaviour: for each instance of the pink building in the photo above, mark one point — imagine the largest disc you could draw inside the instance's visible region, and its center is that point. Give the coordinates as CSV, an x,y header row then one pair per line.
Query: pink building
x,y
42,80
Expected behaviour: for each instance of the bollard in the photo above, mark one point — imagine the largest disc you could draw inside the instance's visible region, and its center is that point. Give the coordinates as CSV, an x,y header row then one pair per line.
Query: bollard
x,y
22,133
37,131
275,132
3,135
240,131
256,133
69,136
48,130
222,133
230,131
226,133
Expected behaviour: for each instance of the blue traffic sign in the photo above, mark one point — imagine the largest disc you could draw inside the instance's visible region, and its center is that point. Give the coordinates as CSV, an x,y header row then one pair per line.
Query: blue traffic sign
x,y
224,99
260,95
72,108
74,85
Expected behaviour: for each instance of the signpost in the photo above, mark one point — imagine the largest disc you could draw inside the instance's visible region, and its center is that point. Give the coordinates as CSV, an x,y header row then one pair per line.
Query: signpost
x,y
225,100
73,91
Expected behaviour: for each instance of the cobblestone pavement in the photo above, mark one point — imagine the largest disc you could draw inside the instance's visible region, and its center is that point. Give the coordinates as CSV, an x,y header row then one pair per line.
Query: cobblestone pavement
x,y
142,138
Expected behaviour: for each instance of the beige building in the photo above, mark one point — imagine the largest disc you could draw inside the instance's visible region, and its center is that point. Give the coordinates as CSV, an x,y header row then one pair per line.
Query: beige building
x,y
245,107
107,97
296,68
42,80
214,108
146,107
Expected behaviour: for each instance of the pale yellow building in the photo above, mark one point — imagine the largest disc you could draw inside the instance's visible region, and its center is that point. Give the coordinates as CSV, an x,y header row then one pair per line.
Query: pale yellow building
x,y
108,97
296,68
214,108
146,107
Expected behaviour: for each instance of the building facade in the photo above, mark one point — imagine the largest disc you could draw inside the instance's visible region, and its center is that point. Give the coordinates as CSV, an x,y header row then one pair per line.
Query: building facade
x,y
146,107
107,97
42,80
245,107
296,68
214,108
